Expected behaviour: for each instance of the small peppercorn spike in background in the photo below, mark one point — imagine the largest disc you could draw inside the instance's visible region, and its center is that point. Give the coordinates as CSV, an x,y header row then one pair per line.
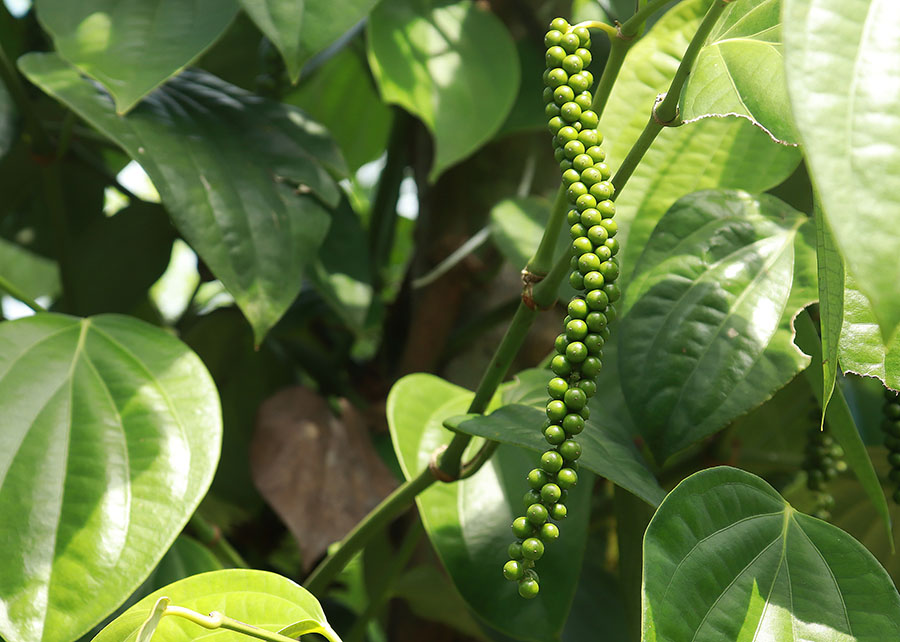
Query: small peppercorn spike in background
x,y
891,428
576,147
823,461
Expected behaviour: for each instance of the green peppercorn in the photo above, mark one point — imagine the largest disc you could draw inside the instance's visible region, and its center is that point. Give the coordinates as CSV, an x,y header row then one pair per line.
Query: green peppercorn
x,y
513,570
537,478
551,461
566,478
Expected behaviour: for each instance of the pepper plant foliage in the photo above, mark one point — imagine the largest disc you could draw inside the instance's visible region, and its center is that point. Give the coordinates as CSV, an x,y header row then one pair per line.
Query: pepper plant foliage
x,y
259,263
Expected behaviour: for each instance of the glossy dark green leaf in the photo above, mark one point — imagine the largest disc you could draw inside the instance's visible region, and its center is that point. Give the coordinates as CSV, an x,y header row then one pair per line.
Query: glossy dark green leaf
x,y
111,437
133,46
843,81
430,58
712,153
340,95
225,164
259,598
861,349
706,333
841,422
115,260
726,558
607,451
740,71
831,303
468,521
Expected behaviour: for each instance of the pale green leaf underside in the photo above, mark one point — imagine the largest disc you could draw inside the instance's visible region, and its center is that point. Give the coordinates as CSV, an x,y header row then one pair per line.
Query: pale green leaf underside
x,y
740,71
111,436
727,153
707,328
726,558
224,162
133,46
260,598
831,303
468,521
843,80
432,61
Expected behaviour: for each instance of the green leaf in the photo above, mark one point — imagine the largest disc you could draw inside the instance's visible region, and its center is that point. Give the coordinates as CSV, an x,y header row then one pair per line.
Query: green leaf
x,y
301,28
224,162
8,124
431,60
115,260
843,94
111,436
712,153
607,451
32,273
726,558
341,96
831,303
259,598
342,272
860,348
133,46
740,71
707,328
468,521
841,422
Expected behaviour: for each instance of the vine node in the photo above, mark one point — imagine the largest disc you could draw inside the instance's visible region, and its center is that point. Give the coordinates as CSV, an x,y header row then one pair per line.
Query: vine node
x,y
675,121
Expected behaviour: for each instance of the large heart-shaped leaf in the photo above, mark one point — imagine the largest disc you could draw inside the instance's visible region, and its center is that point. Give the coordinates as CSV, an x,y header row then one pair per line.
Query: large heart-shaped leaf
x,y
259,598
843,81
300,28
226,164
726,558
860,348
711,153
707,328
110,439
607,451
429,58
740,71
468,521
133,46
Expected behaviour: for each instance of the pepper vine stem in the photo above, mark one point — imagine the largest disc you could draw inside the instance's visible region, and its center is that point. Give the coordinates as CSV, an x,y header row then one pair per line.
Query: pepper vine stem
x,y
216,620
16,293
665,110
544,294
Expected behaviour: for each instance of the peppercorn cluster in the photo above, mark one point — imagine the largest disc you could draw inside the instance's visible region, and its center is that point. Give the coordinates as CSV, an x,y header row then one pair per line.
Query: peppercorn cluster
x,y
576,144
823,460
891,428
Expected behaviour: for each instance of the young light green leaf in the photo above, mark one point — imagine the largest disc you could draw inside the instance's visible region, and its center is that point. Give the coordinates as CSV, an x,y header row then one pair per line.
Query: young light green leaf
x,y
607,451
706,333
468,521
133,46
226,164
148,628
712,153
841,422
259,598
112,427
430,60
740,71
831,303
843,82
726,558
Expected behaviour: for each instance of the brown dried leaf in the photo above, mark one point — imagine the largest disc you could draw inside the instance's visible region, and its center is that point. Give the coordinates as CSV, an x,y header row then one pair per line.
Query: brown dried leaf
x,y
318,471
